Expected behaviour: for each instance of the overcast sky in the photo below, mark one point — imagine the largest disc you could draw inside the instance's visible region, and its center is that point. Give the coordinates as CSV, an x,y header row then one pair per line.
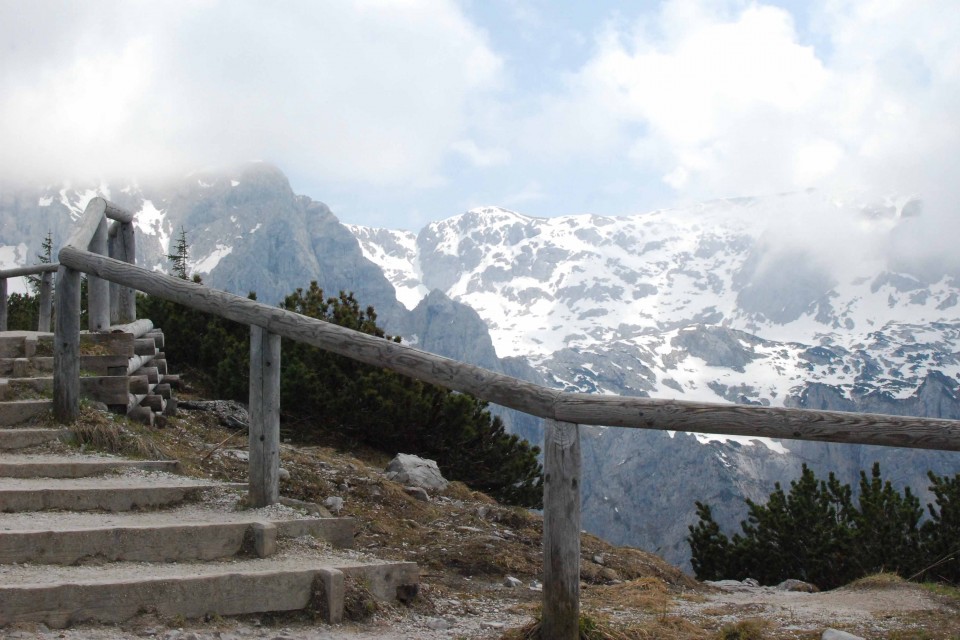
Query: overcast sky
x,y
399,113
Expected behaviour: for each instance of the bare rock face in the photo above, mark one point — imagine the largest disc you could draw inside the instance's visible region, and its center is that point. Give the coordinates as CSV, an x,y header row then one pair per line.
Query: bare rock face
x,y
414,471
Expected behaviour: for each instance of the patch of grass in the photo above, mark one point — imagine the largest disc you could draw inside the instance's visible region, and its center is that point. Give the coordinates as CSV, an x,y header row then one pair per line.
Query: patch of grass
x,y
590,629
749,629
648,594
882,580
942,589
99,432
596,627
358,603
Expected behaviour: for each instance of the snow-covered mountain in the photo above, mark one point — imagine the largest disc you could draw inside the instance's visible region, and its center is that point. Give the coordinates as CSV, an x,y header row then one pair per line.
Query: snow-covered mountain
x,y
791,300
682,296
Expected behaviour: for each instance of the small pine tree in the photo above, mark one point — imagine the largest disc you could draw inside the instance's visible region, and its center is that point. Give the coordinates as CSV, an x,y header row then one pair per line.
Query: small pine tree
x,y
45,257
941,532
180,256
710,548
887,527
815,533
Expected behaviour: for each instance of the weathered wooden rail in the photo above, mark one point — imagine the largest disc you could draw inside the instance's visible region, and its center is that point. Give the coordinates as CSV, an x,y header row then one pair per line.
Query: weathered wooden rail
x,y
45,271
564,412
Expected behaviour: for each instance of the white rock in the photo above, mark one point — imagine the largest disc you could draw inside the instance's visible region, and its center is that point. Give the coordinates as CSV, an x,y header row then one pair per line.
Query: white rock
x,y
512,582
835,634
415,471
334,504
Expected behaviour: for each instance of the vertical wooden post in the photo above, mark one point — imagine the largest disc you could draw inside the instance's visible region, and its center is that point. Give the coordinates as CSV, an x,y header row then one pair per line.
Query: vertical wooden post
x,y
98,290
264,472
3,304
122,246
114,251
66,350
561,531
46,301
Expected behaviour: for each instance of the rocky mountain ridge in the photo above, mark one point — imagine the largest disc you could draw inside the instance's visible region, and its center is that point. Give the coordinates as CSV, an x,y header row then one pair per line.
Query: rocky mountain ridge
x,y
728,301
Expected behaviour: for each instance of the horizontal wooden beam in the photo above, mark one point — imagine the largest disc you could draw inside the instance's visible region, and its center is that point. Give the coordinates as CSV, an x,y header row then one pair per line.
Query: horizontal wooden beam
x,y
116,212
87,226
490,386
138,327
754,421
615,411
30,270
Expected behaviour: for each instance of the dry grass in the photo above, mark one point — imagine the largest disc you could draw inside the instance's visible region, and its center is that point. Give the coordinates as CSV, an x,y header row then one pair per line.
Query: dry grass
x,y
599,627
748,629
882,580
97,431
649,594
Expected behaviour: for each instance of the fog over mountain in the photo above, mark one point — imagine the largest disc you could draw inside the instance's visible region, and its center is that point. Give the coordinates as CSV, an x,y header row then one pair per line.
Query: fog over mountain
x,y
800,299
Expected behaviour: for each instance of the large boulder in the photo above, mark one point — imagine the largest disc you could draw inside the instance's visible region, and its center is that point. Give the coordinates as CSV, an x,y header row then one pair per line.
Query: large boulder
x,y
414,471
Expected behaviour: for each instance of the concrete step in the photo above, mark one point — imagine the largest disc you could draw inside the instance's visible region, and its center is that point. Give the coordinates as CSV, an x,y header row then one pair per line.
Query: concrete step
x,y
13,344
49,466
158,537
109,390
121,492
21,438
25,367
18,387
17,411
101,365
62,596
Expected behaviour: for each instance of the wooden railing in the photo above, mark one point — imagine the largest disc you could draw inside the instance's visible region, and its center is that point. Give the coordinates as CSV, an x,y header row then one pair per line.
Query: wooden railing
x,y
563,412
45,271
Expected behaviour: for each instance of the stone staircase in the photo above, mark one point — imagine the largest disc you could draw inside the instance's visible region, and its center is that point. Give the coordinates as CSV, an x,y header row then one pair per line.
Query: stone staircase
x,y
93,538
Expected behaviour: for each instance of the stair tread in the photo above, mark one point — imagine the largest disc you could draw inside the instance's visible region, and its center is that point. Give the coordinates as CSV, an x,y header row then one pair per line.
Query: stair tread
x,y
296,558
220,511
67,466
125,479
81,458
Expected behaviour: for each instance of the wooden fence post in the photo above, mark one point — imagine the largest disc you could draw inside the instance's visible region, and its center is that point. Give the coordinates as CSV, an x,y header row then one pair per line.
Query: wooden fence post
x,y
66,349
264,463
123,246
3,304
46,300
561,531
98,289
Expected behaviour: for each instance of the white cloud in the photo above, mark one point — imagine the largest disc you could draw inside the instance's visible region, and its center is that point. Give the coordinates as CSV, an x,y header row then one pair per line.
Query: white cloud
x,y
480,157
368,91
531,192
726,99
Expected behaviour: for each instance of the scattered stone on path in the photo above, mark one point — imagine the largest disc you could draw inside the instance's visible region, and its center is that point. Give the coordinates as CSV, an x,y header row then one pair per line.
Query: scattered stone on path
x,y
439,624
418,493
836,634
797,585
